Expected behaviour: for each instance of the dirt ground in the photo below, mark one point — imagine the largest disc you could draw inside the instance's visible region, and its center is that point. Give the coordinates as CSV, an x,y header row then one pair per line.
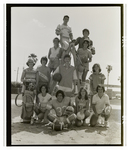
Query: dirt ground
x,y
26,134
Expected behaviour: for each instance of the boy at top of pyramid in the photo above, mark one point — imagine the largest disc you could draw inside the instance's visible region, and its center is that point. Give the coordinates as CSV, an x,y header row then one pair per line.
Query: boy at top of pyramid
x,y
65,33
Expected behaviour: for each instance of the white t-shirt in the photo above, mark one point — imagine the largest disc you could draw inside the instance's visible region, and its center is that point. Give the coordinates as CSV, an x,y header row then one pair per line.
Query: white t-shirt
x,y
64,30
44,100
100,103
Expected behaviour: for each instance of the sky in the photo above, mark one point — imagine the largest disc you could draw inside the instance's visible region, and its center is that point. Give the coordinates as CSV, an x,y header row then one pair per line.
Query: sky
x,y
33,31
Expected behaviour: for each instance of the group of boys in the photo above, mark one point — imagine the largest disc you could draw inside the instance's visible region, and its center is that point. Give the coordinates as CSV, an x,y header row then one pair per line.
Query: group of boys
x,y
59,62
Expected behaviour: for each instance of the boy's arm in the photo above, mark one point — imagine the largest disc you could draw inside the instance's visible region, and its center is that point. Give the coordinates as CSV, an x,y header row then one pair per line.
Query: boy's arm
x,y
76,104
77,41
89,56
94,105
57,31
90,59
103,78
71,36
87,105
49,53
48,108
91,83
22,76
94,109
37,78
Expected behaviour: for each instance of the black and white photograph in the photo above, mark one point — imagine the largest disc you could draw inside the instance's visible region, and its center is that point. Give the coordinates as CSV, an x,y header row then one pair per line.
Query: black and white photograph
x,y
65,74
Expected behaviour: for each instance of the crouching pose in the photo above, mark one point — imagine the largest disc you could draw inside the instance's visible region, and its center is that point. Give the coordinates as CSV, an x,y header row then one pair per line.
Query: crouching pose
x,y
64,112
101,107
40,107
82,107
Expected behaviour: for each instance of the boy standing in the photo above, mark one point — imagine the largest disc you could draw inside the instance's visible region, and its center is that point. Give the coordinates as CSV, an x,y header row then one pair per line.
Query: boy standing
x,y
54,55
65,33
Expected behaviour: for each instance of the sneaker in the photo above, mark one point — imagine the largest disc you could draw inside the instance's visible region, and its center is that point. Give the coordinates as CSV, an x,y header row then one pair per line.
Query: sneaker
x,y
21,120
106,124
32,121
66,126
38,121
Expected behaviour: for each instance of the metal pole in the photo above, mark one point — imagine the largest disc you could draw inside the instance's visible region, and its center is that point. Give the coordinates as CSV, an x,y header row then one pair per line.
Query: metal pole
x,y
17,75
108,81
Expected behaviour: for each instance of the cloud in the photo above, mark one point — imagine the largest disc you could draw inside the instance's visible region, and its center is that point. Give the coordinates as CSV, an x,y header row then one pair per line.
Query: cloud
x,y
38,23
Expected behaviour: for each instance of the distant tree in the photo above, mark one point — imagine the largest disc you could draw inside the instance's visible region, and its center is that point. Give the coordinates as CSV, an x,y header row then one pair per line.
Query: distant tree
x,y
109,68
16,85
119,78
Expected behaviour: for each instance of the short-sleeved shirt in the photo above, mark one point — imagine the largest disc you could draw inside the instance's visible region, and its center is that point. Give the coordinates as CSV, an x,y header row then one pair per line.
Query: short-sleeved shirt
x,y
81,104
100,103
68,75
64,30
80,40
85,53
59,107
44,100
96,79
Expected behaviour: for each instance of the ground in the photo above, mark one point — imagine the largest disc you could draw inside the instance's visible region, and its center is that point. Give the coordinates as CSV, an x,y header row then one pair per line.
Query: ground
x,y
26,134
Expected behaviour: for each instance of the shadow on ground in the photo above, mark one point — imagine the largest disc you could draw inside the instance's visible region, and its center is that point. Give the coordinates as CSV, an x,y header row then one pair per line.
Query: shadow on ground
x,y
17,127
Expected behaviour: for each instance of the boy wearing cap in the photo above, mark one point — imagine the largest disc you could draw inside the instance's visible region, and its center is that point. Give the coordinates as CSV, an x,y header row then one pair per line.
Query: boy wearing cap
x,y
54,55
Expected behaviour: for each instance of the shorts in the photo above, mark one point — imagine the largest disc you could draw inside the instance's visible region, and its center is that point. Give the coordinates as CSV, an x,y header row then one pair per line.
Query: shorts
x,y
64,42
53,64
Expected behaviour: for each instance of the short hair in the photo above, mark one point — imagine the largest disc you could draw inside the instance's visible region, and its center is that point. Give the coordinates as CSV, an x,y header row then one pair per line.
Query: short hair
x,y
44,58
93,67
100,85
56,39
60,92
27,63
90,42
86,93
85,30
84,42
67,55
66,16
46,87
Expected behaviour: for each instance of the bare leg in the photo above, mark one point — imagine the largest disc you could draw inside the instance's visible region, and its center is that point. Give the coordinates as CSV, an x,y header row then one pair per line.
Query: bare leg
x,y
84,75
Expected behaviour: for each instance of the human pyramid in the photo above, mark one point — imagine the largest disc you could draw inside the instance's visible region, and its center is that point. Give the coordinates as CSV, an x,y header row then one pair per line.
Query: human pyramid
x,y
47,90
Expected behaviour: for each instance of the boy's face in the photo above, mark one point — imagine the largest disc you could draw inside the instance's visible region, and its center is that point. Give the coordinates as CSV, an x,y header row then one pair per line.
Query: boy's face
x,y
56,43
83,92
100,90
43,62
43,89
59,97
85,44
96,68
30,64
66,19
86,33
67,60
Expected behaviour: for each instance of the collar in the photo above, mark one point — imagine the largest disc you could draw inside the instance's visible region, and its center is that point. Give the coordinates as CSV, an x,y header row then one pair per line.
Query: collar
x,y
98,95
96,73
65,65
